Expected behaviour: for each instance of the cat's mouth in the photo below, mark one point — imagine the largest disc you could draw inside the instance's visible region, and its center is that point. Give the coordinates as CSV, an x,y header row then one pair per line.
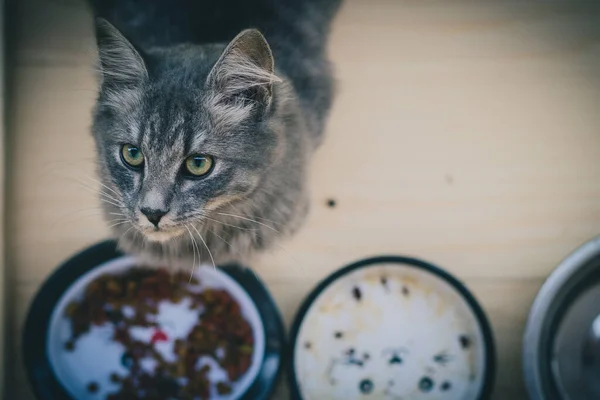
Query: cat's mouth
x,y
162,234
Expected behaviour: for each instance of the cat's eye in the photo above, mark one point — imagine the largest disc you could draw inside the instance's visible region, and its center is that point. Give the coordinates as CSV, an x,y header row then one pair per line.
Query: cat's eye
x,y
132,156
198,165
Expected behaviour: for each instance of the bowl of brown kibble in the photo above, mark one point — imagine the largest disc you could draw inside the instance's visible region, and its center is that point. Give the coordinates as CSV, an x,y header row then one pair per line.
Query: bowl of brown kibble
x,y
106,327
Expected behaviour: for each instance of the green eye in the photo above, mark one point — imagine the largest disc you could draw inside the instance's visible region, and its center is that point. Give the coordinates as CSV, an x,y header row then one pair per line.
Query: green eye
x,y
132,156
198,165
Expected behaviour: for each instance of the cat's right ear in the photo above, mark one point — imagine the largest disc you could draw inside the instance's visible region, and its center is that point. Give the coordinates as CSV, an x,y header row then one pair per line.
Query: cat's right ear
x,y
120,62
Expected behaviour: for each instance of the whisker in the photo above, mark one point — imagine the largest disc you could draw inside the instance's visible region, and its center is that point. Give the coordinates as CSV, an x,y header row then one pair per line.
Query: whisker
x,y
200,214
107,194
194,244
65,220
256,209
126,232
232,248
230,225
118,223
286,251
135,235
109,197
103,185
220,237
251,220
276,245
205,245
203,215
94,190
111,203
144,241
103,195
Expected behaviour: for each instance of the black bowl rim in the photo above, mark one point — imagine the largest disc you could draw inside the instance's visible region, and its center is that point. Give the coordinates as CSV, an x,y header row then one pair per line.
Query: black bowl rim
x,y
34,346
488,337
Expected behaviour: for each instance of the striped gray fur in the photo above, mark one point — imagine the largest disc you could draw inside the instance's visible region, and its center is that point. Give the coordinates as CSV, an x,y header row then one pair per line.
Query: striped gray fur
x,y
251,88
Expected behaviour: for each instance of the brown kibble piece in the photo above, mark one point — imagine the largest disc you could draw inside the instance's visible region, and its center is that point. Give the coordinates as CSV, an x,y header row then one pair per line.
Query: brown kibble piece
x,y
223,388
71,308
246,349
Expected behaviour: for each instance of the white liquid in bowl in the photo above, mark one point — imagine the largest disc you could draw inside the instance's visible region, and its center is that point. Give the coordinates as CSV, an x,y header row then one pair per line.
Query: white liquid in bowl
x,y
96,355
390,332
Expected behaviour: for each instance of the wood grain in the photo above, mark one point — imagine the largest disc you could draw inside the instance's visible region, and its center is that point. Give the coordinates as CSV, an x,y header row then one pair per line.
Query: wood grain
x,y
464,133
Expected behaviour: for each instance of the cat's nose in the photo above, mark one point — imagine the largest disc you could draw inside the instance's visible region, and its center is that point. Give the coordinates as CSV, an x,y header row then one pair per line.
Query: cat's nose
x,y
154,216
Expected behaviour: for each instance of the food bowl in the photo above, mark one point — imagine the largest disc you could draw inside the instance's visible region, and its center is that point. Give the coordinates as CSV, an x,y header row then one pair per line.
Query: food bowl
x,y
555,358
74,347
391,328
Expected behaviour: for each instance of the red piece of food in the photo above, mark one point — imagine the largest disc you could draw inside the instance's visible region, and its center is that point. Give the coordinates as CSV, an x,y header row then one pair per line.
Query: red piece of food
x,y
159,336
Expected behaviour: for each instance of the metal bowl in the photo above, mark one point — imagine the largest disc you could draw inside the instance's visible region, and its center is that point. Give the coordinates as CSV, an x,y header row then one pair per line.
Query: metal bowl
x,y
559,325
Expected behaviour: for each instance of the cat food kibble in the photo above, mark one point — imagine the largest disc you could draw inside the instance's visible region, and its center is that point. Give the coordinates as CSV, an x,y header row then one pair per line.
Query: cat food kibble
x,y
159,366
92,387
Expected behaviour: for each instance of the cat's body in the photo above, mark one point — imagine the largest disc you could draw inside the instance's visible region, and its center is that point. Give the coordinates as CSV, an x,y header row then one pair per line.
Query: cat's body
x,y
176,90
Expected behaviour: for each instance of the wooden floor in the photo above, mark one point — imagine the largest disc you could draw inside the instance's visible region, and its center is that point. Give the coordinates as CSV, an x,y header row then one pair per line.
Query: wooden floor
x,y
464,134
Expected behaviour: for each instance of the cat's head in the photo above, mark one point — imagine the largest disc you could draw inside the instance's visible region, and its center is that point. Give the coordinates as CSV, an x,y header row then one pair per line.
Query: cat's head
x,y
183,131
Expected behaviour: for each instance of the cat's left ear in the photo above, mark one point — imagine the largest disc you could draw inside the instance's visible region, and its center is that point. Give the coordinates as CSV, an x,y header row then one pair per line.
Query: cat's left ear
x,y
246,68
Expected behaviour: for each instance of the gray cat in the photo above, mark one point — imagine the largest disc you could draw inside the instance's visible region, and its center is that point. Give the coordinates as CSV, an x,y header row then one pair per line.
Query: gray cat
x,y
207,116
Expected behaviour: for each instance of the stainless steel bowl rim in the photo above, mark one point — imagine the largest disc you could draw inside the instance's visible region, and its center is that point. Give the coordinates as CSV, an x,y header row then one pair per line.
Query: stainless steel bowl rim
x,y
539,311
